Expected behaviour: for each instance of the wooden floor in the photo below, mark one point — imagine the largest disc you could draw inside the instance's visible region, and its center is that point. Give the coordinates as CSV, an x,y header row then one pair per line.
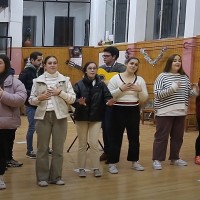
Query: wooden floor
x,y
171,183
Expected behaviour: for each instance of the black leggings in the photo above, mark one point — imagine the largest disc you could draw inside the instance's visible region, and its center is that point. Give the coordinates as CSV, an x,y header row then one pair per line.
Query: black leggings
x,y
7,137
197,143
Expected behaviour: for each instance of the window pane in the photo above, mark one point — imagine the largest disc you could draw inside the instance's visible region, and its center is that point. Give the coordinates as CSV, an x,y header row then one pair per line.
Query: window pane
x,y
153,19
56,23
3,29
109,17
169,18
181,27
57,31
80,13
33,22
120,21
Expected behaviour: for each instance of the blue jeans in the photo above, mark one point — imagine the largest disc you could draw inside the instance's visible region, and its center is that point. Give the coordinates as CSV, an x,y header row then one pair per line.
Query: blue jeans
x,y
30,112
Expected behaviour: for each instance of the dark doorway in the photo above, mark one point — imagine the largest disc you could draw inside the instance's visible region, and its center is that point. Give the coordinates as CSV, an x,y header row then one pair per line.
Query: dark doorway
x,y
63,31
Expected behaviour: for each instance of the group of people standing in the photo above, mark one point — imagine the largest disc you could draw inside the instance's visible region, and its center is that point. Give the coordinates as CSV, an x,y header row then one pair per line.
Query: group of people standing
x,y
112,105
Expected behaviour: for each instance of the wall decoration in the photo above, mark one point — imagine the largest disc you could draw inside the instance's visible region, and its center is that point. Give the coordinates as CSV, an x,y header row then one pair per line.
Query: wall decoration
x,y
149,60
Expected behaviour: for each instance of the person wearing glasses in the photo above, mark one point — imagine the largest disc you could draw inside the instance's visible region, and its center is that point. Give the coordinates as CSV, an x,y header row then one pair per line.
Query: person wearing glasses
x,y
110,56
92,96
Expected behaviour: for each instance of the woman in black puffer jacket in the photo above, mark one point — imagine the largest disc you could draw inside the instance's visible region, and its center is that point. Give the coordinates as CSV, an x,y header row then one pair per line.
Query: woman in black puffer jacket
x,y
92,96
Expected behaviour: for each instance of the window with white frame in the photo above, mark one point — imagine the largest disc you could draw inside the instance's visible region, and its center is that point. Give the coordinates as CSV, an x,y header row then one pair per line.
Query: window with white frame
x,y
56,22
116,23
165,19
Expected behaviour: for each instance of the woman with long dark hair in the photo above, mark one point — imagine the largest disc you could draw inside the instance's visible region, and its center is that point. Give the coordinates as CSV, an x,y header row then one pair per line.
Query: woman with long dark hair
x,y
172,90
12,96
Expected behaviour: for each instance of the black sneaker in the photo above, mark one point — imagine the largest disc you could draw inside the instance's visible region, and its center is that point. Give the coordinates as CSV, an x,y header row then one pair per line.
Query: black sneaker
x,y
31,154
14,163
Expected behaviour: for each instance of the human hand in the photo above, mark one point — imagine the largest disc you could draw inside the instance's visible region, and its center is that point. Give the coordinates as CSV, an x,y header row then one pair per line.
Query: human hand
x,y
130,87
195,88
44,96
54,91
136,88
1,92
82,101
110,102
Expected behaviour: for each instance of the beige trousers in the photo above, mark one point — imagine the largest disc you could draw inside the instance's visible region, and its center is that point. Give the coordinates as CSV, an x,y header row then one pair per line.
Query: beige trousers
x,y
88,132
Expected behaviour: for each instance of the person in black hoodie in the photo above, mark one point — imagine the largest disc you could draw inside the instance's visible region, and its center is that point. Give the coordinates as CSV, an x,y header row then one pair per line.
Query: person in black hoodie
x,y
92,96
32,70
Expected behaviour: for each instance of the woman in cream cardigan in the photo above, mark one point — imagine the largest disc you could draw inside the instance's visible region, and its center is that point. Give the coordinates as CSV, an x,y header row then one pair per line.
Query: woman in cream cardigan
x,y
51,92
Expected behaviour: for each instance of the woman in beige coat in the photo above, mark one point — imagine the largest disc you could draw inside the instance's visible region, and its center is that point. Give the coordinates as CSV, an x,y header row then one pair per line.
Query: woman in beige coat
x,y
51,93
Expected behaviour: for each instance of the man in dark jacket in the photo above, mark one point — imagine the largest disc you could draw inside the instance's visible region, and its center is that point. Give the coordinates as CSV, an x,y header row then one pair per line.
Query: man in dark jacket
x,y
110,56
32,70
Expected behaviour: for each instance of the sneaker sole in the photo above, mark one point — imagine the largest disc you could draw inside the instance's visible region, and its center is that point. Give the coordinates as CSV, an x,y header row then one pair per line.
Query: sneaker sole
x,y
157,168
97,176
178,164
31,157
15,165
82,176
112,172
138,169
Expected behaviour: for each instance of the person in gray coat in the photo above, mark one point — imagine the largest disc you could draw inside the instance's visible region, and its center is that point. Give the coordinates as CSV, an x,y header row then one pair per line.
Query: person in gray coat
x,y
12,96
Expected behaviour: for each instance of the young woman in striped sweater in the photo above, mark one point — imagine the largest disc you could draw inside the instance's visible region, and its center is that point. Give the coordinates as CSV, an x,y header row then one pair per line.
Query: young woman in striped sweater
x,y
172,89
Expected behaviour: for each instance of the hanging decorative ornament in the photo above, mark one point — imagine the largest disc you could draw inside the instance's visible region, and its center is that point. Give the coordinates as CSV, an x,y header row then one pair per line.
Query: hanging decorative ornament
x,y
149,60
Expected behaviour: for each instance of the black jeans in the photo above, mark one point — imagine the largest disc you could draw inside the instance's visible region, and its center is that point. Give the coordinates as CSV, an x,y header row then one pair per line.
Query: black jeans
x,y
106,128
7,137
124,117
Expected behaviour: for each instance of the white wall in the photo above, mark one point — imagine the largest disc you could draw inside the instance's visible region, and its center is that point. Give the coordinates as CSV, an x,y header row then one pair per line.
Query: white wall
x,y
97,21
137,20
15,26
192,26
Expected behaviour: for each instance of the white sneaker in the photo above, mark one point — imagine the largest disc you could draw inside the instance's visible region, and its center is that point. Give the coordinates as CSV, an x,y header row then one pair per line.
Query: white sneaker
x,y
60,182
157,165
112,168
82,173
137,166
178,162
42,183
2,184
